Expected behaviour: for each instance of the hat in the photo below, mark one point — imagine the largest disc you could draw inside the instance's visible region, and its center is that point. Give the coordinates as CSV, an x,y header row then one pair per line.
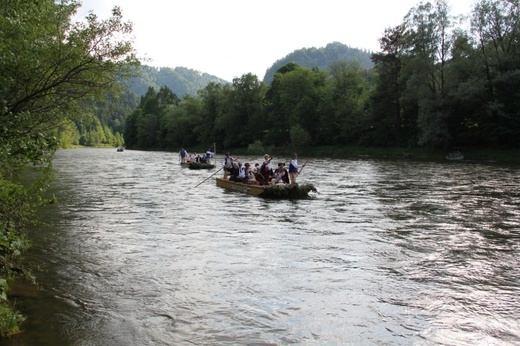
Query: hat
x,y
266,156
247,164
281,164
227,153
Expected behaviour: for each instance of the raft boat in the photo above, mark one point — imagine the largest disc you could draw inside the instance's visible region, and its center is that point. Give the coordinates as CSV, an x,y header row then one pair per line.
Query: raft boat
x,y
455,156
280,191
200,165
196,165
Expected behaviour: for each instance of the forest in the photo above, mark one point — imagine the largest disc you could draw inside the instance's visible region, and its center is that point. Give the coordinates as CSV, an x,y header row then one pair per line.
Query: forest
x,y
432,84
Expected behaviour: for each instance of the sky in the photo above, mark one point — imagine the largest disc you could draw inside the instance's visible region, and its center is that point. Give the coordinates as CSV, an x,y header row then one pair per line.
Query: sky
x,y
230,38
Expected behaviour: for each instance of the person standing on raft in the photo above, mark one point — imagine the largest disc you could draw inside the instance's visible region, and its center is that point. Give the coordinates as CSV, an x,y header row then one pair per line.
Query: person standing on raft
x,y
293,168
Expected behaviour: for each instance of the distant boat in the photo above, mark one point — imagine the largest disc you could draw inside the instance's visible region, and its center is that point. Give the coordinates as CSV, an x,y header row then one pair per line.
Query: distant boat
x,y
279,191
200,165
120,149
186,163
455,156
197,165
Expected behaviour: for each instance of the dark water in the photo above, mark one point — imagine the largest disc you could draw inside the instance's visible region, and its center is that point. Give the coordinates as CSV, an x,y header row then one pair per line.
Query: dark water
x,y
387,253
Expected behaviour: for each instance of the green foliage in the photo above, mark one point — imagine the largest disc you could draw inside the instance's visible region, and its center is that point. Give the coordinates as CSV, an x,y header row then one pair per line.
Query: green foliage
x,y
230,114
256,148
431,85
52,69
10,319
180,80
19,202
320,58
443,87
300,138
290,191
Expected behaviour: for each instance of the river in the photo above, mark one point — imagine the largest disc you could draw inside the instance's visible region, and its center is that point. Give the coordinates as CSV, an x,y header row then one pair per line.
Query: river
x,y
388,252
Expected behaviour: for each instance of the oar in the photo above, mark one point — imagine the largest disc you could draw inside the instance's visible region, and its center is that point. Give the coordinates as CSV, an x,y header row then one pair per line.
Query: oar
x,y
302,167
209,176
213,174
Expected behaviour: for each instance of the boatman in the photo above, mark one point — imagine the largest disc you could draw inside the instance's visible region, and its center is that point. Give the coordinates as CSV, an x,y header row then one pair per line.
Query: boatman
x,y
209,155
228,164
184,154
266,169
293,168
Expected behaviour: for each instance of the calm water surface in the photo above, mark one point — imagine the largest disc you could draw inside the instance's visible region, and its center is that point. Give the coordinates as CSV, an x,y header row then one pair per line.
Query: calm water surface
x,y
387,253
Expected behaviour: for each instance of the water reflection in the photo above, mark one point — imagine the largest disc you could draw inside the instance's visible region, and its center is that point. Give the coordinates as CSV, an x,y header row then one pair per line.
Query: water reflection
x,y
388,252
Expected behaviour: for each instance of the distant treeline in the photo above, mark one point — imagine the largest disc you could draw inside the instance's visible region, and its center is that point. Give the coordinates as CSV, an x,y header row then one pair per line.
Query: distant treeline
x,y
431,85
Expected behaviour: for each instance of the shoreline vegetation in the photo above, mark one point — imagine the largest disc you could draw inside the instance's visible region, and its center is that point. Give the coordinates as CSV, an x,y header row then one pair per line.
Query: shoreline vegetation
x,y
359,152
497,155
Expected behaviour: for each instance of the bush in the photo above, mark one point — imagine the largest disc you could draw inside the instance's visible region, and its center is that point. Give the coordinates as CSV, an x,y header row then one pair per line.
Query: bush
x,y
300,138
256,148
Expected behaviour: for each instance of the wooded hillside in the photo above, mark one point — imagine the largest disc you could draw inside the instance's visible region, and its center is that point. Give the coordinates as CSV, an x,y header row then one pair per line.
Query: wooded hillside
x,y
181,80
321,58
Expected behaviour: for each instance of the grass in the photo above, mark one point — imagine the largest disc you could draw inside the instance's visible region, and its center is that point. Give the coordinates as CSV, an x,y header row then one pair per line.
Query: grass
x,y
10,320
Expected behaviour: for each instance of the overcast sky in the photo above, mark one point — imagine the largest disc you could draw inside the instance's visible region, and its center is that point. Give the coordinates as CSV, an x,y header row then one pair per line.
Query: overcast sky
x,y
229,38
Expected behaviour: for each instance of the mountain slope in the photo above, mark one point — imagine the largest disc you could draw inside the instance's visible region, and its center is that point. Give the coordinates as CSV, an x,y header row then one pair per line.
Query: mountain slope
x,y
321,58
180,80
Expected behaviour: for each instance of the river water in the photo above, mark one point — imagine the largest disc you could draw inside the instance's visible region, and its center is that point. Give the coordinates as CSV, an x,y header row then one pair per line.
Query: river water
x,y
386,253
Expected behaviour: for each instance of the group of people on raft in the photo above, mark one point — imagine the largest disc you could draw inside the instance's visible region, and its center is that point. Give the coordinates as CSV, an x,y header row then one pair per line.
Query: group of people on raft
x,y
199,158
261,174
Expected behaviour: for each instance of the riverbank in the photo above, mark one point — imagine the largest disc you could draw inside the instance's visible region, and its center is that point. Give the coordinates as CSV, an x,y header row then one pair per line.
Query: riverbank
x,y
476,154
423,154
352,152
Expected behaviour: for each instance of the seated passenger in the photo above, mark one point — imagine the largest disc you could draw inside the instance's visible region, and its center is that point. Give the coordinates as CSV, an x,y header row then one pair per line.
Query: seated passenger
x,y
285,177
249,175
243,177
280,175
235,171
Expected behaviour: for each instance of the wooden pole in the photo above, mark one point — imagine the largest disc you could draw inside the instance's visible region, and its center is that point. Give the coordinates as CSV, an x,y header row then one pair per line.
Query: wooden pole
x,y
302,167
209,176
213,174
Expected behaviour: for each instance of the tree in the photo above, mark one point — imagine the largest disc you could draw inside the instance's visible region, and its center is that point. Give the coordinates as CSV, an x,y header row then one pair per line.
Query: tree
x,y
238,111
496,26
350,93
389,121
278,131
211,108
466,90
428,46
50,67
294,99
181,123
249,93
